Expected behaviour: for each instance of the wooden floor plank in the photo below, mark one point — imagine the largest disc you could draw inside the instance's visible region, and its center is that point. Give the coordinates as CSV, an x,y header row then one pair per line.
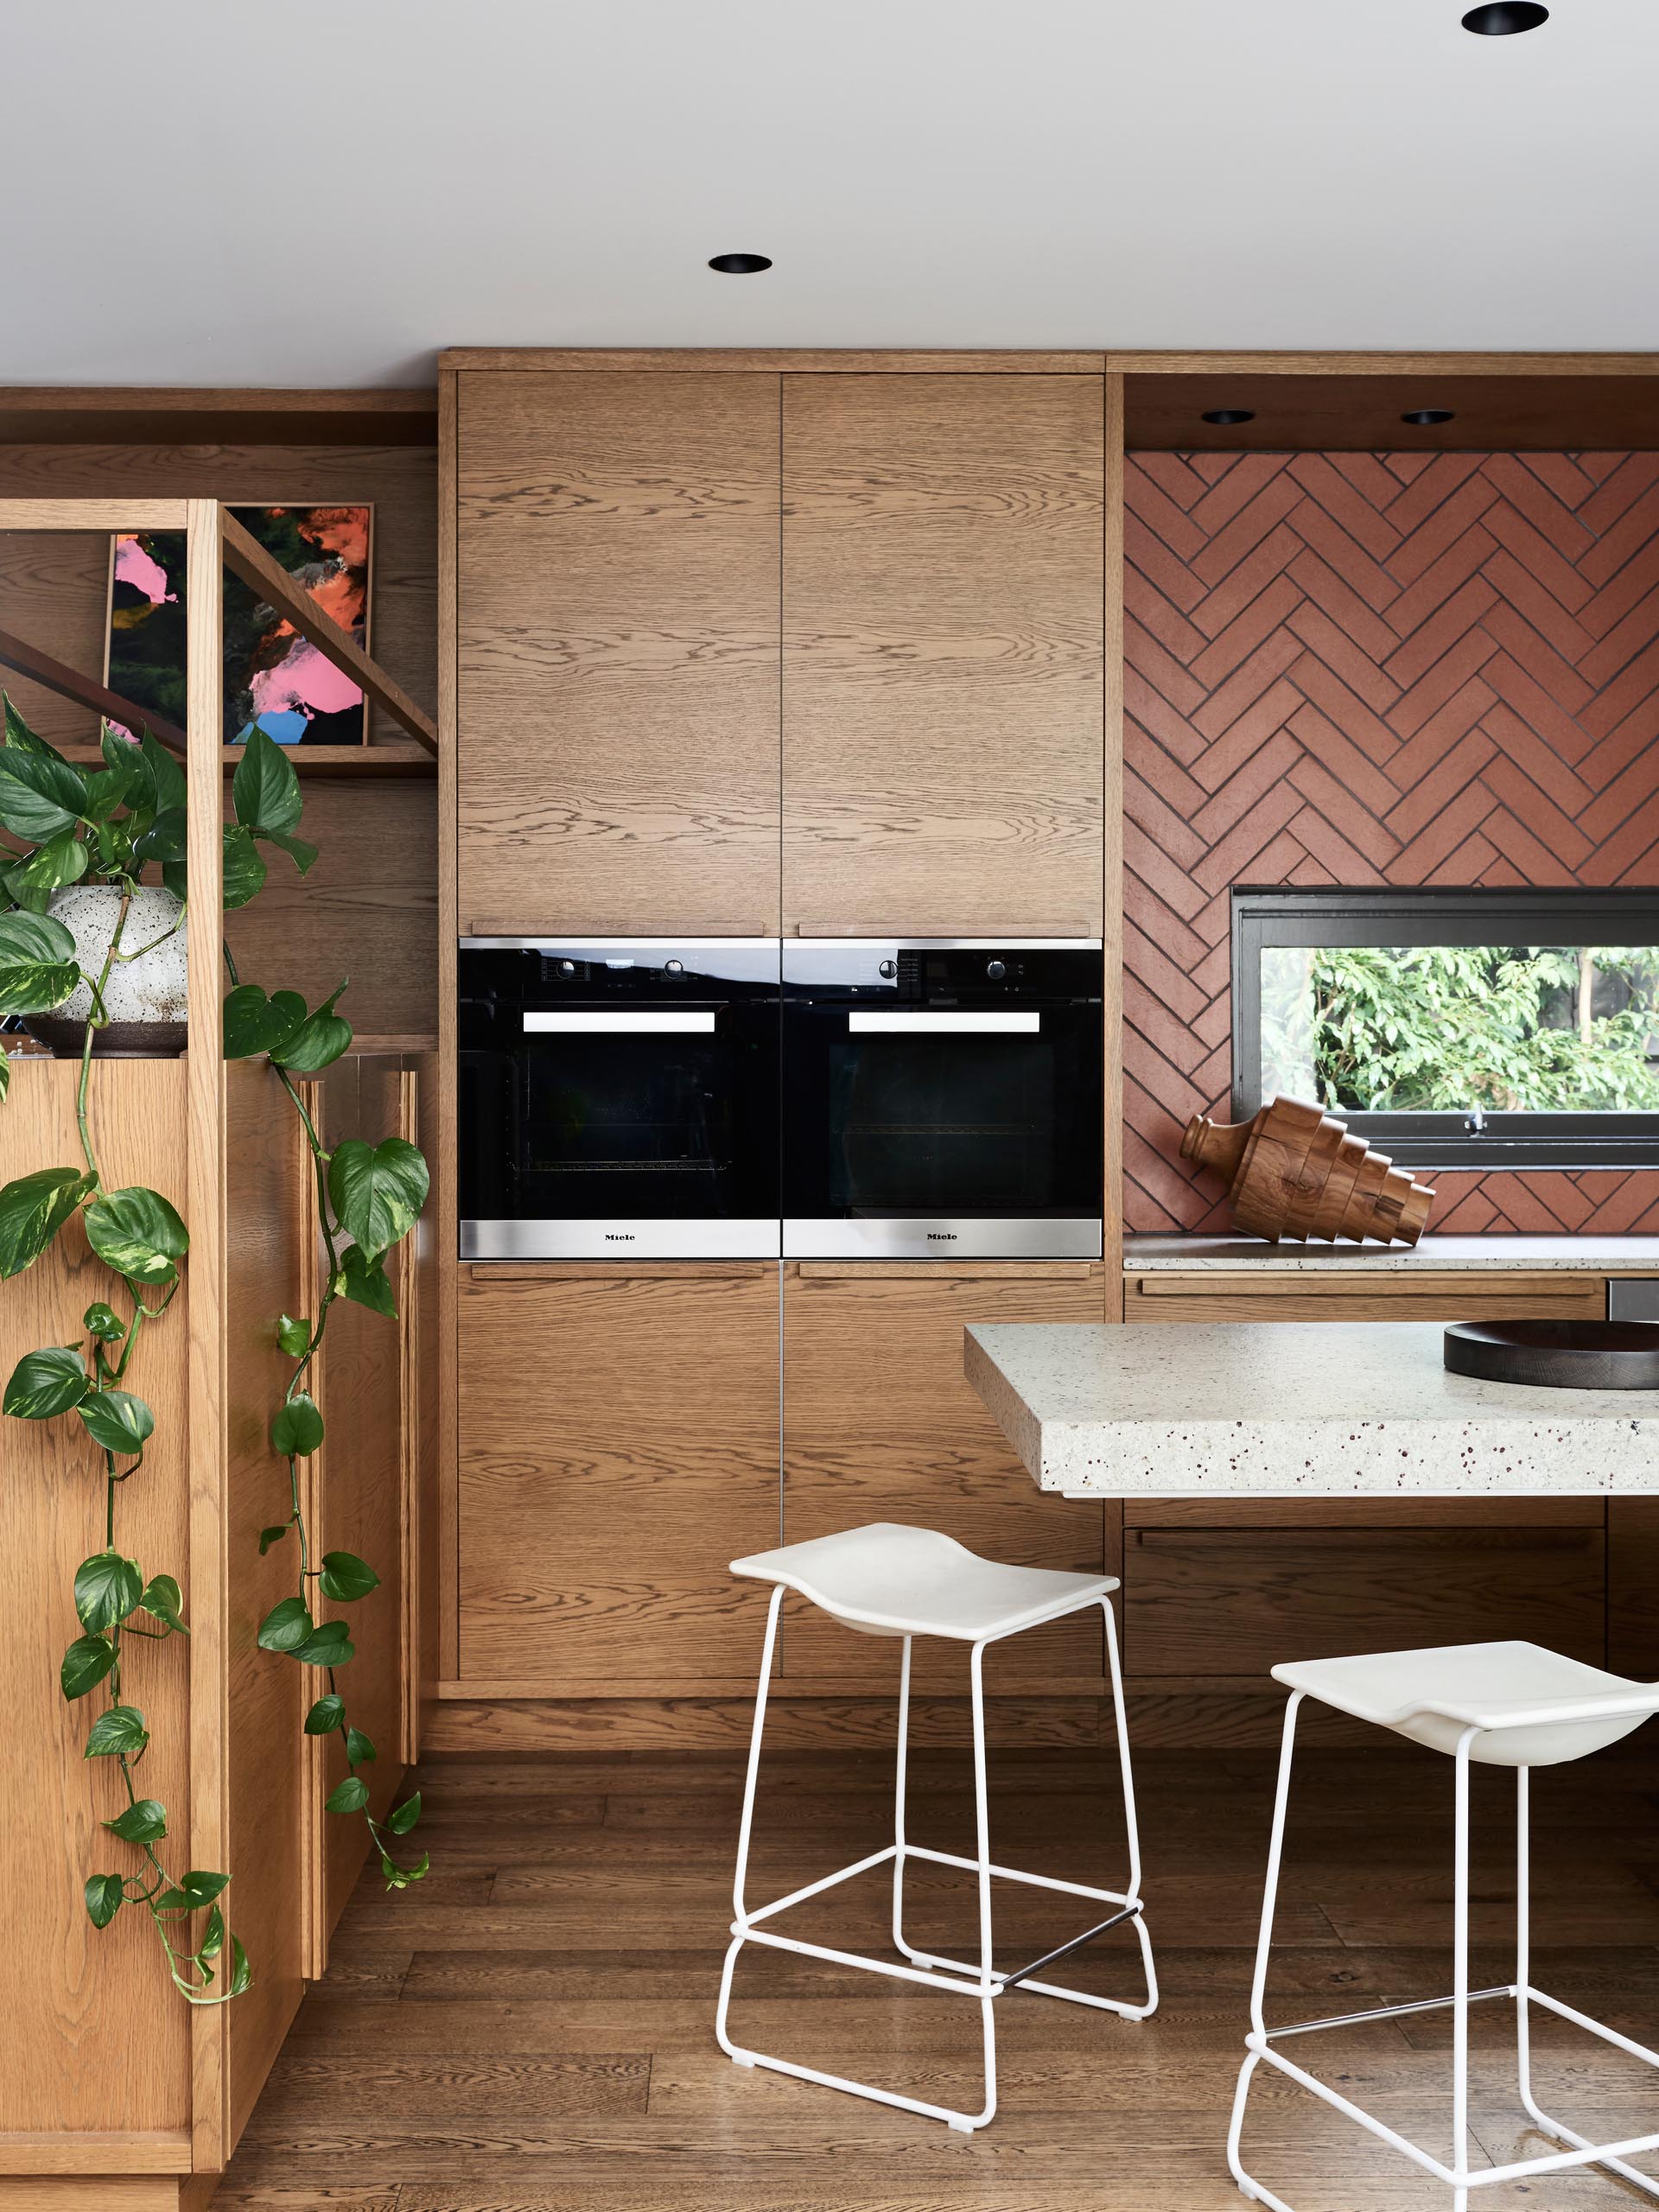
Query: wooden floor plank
x,y
531,2030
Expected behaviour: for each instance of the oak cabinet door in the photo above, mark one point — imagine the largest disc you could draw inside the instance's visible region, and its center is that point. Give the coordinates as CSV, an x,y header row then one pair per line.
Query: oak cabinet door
x,y
619,1448
943,666
618,647
880,1424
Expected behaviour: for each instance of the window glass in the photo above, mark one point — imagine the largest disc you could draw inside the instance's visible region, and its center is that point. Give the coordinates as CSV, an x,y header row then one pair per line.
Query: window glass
x,y
1429,1028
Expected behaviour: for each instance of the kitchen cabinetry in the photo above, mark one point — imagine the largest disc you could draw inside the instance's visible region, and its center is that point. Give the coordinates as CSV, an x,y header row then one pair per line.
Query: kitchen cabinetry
x,y
619,1449
1217,1592
617,649
943,696
881,1425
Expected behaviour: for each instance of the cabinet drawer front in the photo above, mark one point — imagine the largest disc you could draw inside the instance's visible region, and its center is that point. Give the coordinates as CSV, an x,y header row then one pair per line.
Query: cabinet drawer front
x,y
1491,1295
1232,1602
619,1448
880,1424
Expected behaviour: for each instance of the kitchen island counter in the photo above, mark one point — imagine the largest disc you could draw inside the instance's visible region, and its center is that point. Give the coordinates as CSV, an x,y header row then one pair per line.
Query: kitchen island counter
x,y
1277,1409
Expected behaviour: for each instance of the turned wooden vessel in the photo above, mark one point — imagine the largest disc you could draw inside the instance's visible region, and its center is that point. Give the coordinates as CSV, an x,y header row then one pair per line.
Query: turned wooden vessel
x,y
1293,1170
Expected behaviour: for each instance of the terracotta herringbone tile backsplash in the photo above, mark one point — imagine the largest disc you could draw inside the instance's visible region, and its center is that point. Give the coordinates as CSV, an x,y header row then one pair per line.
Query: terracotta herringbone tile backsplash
x,y
1373,668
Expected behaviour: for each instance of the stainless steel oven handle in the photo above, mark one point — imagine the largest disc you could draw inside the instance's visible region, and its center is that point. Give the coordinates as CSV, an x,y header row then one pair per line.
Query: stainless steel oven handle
x,y
875,1022
603,1021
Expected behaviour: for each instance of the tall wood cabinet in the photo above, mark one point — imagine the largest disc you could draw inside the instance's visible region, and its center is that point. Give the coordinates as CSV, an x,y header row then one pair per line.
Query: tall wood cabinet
x,y
942,672
617,652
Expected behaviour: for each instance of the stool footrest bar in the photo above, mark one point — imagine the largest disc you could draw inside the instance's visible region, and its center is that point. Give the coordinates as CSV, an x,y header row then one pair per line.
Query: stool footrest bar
x,y
1065,1950
1385,2012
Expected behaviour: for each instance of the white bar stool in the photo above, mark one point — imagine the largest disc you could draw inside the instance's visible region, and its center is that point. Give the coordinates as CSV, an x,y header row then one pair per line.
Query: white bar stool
x,y
1514,1704
890,1580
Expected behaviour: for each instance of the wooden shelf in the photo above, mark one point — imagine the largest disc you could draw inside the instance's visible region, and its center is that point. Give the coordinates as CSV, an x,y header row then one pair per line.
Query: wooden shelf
x,y
393,758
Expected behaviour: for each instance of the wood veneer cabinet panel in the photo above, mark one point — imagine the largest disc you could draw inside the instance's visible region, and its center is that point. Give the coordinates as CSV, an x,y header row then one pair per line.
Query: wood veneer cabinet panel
x,y
1228,1602
880,1424
93,2042
620,1448
358,1478
1485,1295
944,689
618,651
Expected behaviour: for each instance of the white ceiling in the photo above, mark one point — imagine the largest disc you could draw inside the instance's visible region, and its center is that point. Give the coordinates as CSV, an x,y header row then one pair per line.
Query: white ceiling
x,y
210,192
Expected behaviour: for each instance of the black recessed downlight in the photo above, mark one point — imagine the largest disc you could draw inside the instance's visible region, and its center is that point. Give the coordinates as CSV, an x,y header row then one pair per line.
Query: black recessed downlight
x,y
1225,417
740,265
1424,418
1504,18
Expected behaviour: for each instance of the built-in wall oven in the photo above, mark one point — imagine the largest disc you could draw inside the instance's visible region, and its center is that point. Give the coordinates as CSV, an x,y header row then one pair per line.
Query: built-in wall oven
x,y
618,1098
943,1099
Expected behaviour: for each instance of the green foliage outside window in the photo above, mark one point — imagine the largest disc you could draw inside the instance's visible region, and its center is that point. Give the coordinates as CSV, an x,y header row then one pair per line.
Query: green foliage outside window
x,y
1443,1029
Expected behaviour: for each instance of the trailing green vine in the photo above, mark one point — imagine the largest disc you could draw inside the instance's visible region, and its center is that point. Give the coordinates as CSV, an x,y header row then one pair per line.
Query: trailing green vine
x,y
62,825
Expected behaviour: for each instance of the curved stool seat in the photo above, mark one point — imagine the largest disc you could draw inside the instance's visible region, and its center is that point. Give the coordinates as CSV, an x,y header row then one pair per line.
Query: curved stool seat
x,y
1506,1705
890,1580
1532,1707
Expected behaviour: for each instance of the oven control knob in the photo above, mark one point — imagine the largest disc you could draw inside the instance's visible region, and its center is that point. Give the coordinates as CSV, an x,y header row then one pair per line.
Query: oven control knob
x,y
888,968
673,967
996,969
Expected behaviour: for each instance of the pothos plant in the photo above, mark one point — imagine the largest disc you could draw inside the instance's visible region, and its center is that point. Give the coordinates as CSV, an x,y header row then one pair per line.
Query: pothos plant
x,y
60,823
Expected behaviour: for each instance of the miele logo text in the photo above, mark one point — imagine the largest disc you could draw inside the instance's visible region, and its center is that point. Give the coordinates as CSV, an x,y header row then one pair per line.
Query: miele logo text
x,y
621,1236
941,1236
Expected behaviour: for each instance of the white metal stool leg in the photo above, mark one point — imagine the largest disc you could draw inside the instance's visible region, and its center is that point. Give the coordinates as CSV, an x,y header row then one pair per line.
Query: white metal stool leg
x,y
1129,1901
746,2057
1263,1954
1523,1992
1457,2177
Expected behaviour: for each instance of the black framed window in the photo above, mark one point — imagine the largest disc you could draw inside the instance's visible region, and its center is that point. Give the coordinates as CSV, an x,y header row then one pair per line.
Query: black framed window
x,y
1466,1028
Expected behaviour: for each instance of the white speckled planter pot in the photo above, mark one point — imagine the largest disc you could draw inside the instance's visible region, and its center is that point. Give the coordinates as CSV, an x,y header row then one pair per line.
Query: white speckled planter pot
x,y
146,1000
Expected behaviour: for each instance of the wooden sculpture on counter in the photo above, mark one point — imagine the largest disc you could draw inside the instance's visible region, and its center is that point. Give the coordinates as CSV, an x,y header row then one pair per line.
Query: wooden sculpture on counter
x,y
1295,1171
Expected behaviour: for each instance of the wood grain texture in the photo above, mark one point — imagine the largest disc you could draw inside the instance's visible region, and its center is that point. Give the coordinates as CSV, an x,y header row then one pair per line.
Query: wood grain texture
x,y
268,1209
618,651
549,2050
443,1210
1574,411
54,589
360,1488
205,1212
769,360
943,655
1112,827
1213,1296
72,414
1235,1602
367,910
881,1425
620,1447
91,2041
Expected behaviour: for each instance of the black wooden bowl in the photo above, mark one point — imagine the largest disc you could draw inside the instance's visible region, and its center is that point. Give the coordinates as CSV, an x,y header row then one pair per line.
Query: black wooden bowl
x,y
1557,1355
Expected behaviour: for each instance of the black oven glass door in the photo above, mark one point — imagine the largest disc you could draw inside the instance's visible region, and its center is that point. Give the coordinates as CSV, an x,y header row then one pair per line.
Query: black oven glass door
x,y
950,1114
619,1099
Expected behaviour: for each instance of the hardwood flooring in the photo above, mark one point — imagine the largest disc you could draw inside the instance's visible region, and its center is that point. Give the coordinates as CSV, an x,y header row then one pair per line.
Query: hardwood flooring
x,y
531,2030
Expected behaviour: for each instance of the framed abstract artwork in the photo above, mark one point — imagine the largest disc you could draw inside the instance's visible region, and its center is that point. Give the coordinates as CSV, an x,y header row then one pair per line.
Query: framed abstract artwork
x,y
274,680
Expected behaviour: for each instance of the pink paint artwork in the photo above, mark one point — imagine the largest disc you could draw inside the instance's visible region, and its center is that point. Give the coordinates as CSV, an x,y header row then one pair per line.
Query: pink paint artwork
x,y
274,680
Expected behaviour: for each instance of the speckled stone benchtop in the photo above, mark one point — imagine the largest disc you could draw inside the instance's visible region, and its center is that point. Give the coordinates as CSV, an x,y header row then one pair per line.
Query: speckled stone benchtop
x,y
1274,1409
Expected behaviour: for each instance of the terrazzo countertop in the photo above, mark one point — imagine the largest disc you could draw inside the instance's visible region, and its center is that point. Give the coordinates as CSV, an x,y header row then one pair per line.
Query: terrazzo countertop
x,y
1278,1409
1584,1254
